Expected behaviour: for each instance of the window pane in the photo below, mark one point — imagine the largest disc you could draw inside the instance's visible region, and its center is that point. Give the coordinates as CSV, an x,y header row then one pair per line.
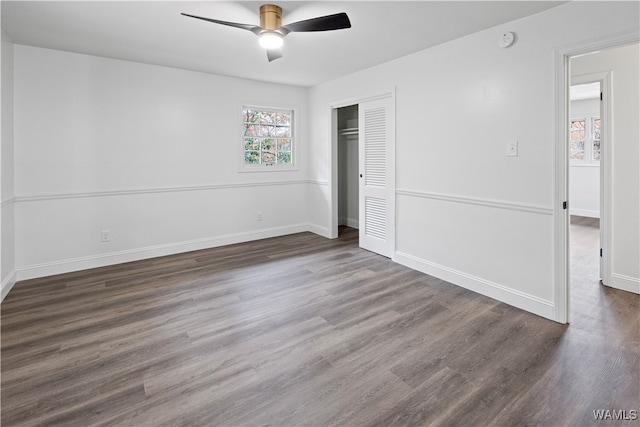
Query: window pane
x,y
576,150
284,157
262,130
596,140
577,130
282,131
268,157
252,157
268,117
251,144
284,145
577,124
596,128
251,116
283,118
576,139
596,151
249,130
577,135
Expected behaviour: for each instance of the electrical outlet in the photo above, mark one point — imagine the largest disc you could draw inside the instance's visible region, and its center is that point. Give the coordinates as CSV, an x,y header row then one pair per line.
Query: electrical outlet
x,y
259,216
512,149
105,236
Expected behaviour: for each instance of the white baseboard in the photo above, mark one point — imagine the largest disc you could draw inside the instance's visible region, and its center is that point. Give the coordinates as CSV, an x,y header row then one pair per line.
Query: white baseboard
x,y
496,291
350,222
585,212
320,231
353,223
102,260
626,283
7,284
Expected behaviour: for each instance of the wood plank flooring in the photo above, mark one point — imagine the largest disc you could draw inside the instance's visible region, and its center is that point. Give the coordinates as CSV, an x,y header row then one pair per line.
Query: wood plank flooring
x,y
305,331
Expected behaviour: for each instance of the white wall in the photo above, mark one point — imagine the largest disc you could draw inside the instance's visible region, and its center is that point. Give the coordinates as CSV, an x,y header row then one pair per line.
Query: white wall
x,y
150,153
584,179
624,64
465,211
7,225
147,152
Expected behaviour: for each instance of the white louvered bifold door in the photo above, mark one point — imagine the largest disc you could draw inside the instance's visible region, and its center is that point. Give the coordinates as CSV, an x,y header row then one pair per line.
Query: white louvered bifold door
x,y
376,176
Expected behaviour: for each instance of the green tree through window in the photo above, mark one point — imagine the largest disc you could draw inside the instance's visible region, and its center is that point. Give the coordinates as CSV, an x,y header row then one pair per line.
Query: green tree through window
x,y
268,136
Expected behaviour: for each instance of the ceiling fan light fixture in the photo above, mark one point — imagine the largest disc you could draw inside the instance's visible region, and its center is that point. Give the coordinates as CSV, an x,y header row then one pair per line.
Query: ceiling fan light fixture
x,y
271,40
271,31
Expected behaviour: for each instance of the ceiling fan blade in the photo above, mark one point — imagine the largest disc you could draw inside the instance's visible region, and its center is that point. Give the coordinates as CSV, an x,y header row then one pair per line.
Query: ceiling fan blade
x,y
274,53
253,28
337,21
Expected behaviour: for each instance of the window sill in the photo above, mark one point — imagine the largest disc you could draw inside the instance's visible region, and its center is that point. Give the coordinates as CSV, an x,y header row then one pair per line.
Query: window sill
x,y
263,169
584,165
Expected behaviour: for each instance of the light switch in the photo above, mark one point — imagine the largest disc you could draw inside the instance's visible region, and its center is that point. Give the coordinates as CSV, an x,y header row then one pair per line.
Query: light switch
x,y
512,149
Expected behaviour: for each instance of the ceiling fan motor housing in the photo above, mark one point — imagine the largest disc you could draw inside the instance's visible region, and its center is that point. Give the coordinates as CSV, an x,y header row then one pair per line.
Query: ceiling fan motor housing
x,y
270,16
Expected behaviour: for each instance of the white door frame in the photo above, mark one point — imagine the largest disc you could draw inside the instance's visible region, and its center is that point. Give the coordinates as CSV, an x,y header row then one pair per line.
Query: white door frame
x,y
561,215
334,106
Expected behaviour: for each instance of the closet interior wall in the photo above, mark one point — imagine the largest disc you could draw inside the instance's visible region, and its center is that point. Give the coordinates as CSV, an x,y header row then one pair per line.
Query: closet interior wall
x,y
348,209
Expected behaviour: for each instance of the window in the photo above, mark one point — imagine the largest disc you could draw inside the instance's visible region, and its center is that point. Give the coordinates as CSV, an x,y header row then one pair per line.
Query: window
x,y
268,138
584,141
576,139
595,126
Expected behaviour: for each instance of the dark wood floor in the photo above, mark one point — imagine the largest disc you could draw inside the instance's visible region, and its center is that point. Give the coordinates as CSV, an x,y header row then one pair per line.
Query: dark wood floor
x,y
300,330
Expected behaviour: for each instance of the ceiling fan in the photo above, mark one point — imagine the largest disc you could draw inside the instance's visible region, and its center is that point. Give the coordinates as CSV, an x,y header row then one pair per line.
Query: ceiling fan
x,y
271,31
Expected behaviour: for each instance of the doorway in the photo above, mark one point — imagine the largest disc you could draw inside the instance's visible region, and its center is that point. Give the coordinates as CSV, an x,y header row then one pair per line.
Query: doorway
x,y
606,58
348,194
586,124
373,137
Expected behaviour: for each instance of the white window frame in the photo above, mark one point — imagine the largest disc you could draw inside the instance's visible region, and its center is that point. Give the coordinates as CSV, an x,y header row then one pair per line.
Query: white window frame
x,y
246,167
588,159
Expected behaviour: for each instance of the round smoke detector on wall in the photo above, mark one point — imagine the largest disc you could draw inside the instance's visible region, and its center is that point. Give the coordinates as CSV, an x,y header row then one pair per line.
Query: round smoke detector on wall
x,y
507,39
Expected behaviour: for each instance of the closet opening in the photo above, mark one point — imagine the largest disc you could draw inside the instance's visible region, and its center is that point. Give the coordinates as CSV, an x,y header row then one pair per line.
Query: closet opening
x,y
348,178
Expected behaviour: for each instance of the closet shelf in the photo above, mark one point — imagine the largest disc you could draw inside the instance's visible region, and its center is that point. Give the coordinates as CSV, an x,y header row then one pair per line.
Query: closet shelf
x,y
349,131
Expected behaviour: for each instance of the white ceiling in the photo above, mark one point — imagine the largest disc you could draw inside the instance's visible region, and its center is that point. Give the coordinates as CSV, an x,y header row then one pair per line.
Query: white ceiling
x,y
154,32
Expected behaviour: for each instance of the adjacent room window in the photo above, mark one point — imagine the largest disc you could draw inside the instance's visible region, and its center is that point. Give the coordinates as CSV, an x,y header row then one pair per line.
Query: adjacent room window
x,y
595,127
576,139
584,141
268,138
